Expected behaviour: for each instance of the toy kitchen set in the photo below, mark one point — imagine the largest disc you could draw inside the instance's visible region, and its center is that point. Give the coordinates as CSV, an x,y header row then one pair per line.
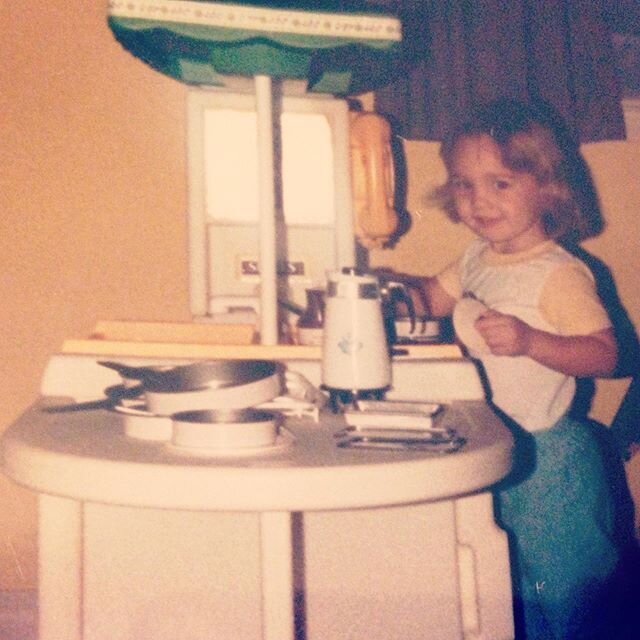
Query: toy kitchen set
x,y
239,477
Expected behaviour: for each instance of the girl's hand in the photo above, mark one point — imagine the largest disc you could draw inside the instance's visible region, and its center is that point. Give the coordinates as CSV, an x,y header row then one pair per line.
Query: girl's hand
x,y
583,356
505,335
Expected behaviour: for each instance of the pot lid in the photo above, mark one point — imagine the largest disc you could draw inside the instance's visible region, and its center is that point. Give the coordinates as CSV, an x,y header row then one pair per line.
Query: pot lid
x,y
205,43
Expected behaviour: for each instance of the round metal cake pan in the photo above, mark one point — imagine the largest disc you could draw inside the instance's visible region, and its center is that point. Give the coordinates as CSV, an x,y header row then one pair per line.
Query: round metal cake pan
x,y
225,429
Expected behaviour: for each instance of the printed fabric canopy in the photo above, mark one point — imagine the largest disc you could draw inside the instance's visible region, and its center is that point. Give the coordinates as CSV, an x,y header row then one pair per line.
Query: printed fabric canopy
x,y
196,42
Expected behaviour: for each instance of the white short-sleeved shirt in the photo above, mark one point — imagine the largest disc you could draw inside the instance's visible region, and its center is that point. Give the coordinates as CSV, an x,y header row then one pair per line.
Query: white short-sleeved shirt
x,y
549,289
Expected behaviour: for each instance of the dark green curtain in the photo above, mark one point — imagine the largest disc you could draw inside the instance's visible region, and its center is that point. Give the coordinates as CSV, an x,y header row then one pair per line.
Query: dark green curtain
x,y
457,53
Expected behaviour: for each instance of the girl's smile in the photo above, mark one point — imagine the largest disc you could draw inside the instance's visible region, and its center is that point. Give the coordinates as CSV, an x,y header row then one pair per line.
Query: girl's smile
x,y
500,205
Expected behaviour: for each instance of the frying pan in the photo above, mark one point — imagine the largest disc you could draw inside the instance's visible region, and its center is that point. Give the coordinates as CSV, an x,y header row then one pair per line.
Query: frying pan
x,y
210,374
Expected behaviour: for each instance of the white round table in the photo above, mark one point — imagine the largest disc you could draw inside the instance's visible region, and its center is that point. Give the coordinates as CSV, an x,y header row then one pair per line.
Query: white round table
x,y
83,457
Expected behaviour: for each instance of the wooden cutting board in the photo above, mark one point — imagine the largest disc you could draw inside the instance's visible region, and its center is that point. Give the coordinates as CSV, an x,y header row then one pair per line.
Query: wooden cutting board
x,y
208,341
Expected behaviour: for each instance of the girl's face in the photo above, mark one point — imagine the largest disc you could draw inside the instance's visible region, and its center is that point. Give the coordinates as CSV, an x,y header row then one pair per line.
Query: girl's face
x,y
500,205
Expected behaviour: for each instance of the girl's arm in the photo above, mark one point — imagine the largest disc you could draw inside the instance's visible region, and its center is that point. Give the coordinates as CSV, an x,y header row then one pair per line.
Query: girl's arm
x,y
440,303
593,355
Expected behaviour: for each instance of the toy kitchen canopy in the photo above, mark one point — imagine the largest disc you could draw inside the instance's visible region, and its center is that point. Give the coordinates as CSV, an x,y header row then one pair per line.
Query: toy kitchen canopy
x,y
215,43
203,43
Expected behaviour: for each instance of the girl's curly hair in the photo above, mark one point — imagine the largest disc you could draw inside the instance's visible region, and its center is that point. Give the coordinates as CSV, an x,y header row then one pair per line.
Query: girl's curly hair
x,y
532,140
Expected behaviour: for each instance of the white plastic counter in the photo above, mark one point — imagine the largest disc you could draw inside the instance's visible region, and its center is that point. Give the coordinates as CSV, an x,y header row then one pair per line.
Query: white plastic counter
x,y
138,540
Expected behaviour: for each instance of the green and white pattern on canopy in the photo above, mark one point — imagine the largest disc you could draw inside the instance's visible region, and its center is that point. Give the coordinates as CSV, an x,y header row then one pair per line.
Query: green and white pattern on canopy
x,y
196,42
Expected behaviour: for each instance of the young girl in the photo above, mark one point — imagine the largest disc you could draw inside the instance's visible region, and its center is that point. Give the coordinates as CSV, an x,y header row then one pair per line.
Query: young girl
x,y
528,311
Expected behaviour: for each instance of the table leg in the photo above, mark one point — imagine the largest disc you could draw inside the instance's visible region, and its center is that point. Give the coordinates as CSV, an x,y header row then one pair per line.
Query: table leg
x,y
483,569
277,576
59,568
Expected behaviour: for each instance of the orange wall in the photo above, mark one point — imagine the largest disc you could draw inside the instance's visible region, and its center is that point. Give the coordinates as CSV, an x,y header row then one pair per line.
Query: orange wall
x,y
92,205
93,201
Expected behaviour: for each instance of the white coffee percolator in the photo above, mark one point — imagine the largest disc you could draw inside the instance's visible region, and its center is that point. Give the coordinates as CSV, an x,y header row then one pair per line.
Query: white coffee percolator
x,y
355,353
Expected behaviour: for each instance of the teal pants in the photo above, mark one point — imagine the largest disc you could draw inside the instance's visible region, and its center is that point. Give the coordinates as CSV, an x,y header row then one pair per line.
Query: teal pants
x,y
559,509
